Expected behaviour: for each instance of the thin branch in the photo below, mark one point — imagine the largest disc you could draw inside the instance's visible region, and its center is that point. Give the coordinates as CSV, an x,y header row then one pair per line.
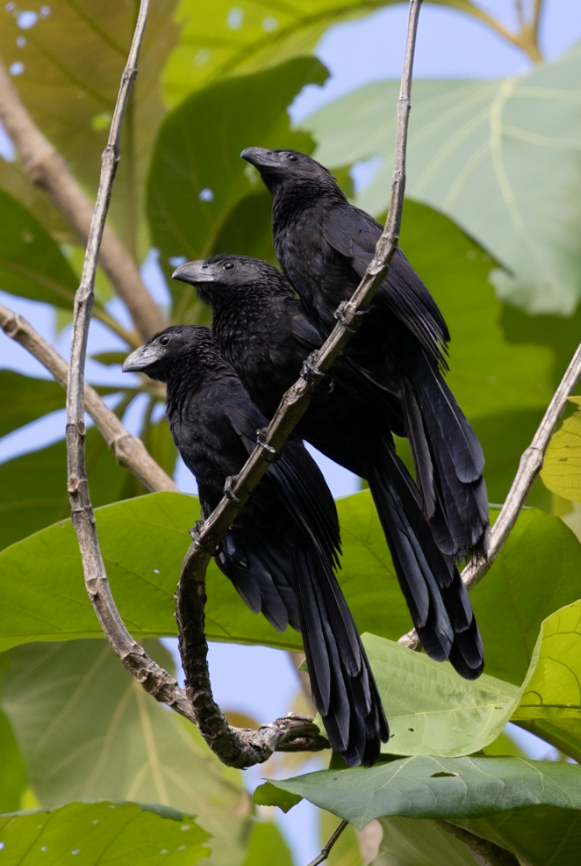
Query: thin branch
x,y
530,465
48,170
326,849
191,589
129,451
288,734
490,851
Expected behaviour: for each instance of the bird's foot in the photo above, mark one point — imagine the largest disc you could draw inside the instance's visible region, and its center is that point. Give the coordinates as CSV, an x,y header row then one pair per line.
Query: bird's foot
x,y
309,372
228,492
261,440
339,314
194,534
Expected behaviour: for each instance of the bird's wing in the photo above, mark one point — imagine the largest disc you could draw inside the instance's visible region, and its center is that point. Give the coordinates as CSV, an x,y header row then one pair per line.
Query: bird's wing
x,y
354,234
297,481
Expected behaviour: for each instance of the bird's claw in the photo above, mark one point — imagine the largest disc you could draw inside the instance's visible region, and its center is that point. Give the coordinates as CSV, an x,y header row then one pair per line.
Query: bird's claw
x,y
228,492
261,440
339,314
310,373
194,534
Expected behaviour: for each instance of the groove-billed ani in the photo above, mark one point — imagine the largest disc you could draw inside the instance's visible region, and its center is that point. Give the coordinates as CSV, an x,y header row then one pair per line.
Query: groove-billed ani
x,y
262,329
324,245
280,551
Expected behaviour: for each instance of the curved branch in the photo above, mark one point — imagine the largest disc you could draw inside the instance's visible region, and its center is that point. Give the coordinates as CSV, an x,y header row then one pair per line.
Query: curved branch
x,y
48,170
191,590
530,465
129,451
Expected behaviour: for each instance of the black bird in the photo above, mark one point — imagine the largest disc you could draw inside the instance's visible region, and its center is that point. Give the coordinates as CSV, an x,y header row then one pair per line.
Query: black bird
x,y
280,551
324,245
264,332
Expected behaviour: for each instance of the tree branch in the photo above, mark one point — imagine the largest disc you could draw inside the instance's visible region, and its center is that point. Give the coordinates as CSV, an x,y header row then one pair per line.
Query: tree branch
x,y
129,451
191,589
490,851
288,734
530,465
326,849
48,170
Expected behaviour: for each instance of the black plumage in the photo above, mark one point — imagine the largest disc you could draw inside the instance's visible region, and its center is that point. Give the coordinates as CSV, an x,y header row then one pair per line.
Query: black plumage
x,y
281,549
263,330
324,245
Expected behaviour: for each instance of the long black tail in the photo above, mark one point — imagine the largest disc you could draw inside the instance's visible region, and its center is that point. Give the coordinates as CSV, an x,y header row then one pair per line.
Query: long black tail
x,y
438,600
449,464
344,690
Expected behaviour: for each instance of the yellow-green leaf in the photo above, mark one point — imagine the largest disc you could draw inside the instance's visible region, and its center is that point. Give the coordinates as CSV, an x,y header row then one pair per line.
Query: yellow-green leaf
x,y
561,470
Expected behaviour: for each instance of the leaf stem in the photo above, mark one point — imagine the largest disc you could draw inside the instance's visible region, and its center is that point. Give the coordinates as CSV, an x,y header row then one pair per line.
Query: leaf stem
x,y
326,849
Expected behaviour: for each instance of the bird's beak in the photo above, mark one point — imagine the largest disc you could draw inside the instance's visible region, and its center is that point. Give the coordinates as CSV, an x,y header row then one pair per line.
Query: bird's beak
x,y
141,358
261,157
194,272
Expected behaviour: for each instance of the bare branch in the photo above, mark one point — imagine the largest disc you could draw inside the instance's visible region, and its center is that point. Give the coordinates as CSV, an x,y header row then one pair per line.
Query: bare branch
x,y
492,853
129,451
326,849
288,734
293,405
48,170
530,465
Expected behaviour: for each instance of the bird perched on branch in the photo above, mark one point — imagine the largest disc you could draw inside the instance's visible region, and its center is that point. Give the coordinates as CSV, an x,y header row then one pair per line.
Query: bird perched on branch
x,y
280,551
324,245
264,332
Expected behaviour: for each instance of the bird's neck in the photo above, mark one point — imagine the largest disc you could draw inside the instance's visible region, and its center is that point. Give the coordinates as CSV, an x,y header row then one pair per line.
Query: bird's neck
x,y
191,374
289,202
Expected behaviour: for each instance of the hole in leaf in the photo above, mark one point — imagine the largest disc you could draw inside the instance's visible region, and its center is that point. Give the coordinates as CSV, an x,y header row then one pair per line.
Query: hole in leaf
x,y
16,68
26,20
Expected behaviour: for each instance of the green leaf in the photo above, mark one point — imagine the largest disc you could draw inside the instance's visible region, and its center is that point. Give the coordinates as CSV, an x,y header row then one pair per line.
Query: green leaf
x,y
31,262
552,692
221,39
561,470
486,153
538,572
145,539
73,60
423,787
202,198
87,729
102,833
24,399
269,794
12,770
267,846
419,842
33,487
542,835
431,710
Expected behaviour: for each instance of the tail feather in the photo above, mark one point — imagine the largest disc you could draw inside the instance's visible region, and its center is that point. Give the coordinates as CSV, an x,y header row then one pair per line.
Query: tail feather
x,y
343,687
438,600
449,464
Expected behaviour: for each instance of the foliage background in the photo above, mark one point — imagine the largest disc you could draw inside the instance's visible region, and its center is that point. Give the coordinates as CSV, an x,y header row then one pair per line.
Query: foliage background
x,y
178,160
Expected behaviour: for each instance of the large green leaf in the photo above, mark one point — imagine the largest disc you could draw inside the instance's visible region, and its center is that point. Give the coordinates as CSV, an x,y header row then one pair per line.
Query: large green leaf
x,y
552,694
267,846
542,835
33,487
144,540
12,769
500,157
431,710
102,833
561,470
73,57
31,263
87,729
221,39
419,842
201,199
423,787
24,399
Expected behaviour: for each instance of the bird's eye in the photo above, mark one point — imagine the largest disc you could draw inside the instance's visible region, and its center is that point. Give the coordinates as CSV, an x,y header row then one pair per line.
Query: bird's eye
x,y
164,340
292,156
228,266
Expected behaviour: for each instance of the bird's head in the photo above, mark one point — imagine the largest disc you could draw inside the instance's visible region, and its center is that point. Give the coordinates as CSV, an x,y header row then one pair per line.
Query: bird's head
x,y
224,275
286,168
166,349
